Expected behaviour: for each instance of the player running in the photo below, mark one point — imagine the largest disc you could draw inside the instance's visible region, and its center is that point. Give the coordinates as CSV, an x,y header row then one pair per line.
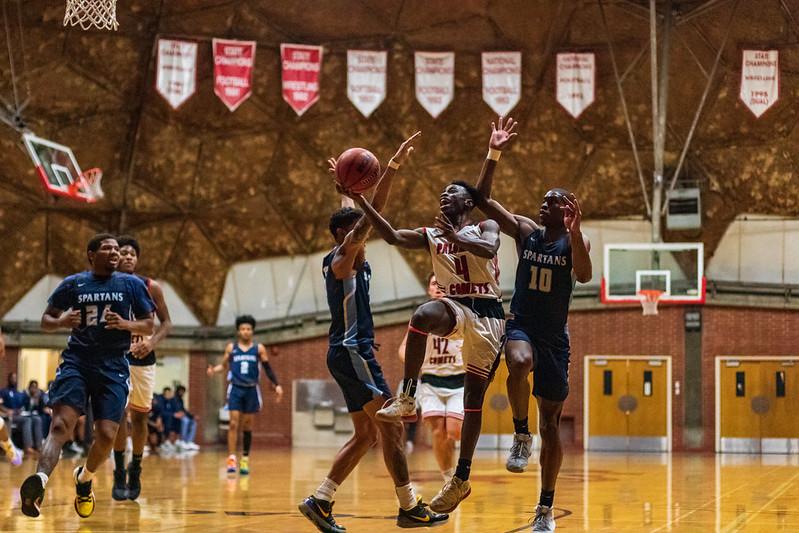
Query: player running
x,y
99,306
244,393
141,358
553,254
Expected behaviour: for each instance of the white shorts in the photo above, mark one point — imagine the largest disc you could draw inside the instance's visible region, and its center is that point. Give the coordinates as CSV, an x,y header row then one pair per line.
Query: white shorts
x,y
438,401
482,338
142,386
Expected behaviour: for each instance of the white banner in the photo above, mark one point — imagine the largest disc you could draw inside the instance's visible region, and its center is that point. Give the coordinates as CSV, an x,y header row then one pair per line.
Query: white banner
x,y
576,78
366,79
176,71
760,80
435,80
502,80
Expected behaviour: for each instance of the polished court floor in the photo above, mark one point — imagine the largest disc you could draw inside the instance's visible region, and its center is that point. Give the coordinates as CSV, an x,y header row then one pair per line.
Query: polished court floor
x,y
597,492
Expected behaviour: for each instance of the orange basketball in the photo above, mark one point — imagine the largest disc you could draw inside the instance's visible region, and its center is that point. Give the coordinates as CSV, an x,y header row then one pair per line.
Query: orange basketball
x,y
357,169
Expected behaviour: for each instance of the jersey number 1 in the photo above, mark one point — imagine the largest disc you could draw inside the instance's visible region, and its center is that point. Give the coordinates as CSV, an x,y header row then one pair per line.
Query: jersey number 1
x,y
462,267
540,279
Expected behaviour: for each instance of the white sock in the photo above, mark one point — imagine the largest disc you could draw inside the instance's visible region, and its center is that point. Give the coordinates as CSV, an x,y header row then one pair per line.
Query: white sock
x,y
448,474
85,476
44,477
406,496
327,490
2,422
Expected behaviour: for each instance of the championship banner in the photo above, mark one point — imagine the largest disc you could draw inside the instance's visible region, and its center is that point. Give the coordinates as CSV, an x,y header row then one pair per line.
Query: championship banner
x,y
366,79
576,77
435,75
176,71
301,67
760,80
502,80
233,64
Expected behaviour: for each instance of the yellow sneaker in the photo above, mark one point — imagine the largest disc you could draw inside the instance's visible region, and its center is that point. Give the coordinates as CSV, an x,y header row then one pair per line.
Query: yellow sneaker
x,y
244,466
84,496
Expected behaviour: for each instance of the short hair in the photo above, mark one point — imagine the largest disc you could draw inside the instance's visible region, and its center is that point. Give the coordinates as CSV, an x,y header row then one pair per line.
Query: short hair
x,y
33,382
561,191
245,319
343,218
94,242
430,276
127,240
166,389
180,388
476,195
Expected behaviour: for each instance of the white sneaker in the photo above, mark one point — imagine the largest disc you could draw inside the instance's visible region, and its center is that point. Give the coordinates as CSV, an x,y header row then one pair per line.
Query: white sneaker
x,y
192,446
544,521
408,447
167,447
403,407
180,446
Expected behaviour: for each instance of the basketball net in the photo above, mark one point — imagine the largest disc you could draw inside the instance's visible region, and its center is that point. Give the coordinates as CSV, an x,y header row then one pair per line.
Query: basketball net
x,y
89,187
649,300
100,14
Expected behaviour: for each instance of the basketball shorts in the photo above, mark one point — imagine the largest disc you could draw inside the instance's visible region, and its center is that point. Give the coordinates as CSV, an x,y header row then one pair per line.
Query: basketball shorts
x,y
245,399
358,375
437,400
480,323
142,387
550,360
102,381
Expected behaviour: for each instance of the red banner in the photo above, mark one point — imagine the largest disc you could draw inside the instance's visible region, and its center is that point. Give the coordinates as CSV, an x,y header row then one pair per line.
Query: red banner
x,y
301,67
233,64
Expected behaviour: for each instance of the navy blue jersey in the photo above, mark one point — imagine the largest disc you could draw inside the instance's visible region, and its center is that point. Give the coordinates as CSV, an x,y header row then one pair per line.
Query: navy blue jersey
x,y
544,283
123,294
149,359
348,299
243,366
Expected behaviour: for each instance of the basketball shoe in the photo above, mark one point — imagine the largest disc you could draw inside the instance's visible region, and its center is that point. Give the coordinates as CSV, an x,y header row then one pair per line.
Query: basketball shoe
x,y
84,496
14,455
32,494
543,521
519,453
134,481
420,516
402,407
244,466
231,464
120,490
452,493
320,513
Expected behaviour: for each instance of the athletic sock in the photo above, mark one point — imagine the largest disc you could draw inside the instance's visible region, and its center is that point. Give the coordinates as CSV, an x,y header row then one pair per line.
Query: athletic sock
x,y
547,498
448,474
463,469
247,442
85,476
409,386
119,460
520,426
406,496
136,461
327,490
44,477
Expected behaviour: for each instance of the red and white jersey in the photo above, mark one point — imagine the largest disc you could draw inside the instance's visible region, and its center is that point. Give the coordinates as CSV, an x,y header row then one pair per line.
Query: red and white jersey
x,y
443,357
461,274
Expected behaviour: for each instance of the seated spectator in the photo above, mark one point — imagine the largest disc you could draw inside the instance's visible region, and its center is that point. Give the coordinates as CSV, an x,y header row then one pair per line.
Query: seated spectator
x,y
188,422
37,403
171,423
155,426
29,428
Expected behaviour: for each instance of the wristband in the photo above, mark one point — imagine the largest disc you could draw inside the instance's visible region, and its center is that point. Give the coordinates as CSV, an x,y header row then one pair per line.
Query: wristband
x,y
393,164
493,154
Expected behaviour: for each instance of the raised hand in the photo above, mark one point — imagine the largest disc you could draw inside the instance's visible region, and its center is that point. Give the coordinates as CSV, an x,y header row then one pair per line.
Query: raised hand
x,y
406,148
332,166
572,215
502,135
355,196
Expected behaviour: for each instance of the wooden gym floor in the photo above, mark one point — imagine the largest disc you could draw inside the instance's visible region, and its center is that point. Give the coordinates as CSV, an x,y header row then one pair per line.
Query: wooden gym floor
x,y
597,492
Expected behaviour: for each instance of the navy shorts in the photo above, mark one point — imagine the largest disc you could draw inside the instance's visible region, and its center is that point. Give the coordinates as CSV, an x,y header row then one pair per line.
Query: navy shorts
x,y
358,374
244,399
550,360
102,381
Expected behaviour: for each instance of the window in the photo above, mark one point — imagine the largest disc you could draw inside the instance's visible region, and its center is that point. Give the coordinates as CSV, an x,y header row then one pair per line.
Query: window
x,y
607,382
740,384
647,383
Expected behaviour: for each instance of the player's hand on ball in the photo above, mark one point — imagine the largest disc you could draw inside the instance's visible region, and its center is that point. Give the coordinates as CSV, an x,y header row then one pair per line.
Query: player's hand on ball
x,y
356,196
141,349
406,148
70,319
502,135
332,166
279,392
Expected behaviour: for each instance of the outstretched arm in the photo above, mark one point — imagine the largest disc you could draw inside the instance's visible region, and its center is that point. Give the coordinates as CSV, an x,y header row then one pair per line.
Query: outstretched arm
x,y
213,369
581,260
486,245
404,238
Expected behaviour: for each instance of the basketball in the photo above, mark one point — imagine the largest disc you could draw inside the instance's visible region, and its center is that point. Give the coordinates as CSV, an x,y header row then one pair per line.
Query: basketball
x,y
357,169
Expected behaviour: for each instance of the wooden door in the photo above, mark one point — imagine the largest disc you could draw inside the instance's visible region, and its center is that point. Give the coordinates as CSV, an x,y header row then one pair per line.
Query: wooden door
x,y
739,384
649,388
607,384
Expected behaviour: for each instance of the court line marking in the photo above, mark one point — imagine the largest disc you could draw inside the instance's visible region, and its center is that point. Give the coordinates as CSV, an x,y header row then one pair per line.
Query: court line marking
x,y
736,525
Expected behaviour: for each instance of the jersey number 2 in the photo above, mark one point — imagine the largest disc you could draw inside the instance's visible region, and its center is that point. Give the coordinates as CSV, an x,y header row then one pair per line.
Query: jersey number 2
x,y
462,267
540,279
245,366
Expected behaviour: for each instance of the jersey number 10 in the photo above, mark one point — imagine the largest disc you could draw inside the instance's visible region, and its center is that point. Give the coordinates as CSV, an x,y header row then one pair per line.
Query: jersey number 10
x,y
540,279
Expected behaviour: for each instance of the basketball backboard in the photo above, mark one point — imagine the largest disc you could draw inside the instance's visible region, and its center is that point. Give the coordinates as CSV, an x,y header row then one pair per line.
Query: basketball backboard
x,y
674,269
58,169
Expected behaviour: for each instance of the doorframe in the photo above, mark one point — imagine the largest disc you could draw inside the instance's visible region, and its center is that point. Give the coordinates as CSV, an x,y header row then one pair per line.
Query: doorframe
x,y
586,392
717,382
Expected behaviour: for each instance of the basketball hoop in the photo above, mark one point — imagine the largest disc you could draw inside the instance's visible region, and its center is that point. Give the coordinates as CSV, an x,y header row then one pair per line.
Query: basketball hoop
x,y
88,188
649,300
101,14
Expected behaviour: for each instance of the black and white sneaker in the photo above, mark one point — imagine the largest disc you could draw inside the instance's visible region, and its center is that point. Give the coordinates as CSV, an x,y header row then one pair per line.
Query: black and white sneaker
x,y
420,516
544,520
32,494
320,513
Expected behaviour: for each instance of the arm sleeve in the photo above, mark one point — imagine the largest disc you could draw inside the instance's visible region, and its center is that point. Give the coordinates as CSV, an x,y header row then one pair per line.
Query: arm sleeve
x,y
269,372
62,295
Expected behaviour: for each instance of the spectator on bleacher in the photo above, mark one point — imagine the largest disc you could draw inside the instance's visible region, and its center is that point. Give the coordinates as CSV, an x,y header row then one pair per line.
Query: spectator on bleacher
x,y
37,403
188,422
28,427
169,408
155,426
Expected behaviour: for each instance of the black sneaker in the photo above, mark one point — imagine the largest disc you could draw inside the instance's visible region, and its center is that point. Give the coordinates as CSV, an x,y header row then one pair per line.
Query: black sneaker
x,y
120,490
420,516
31,493
320,513
134,481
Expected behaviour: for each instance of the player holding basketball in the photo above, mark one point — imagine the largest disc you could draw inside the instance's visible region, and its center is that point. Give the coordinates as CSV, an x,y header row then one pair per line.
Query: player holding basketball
x,y
553,254
94,366
244,393
13,454
440,391
142,379
352,363
463,254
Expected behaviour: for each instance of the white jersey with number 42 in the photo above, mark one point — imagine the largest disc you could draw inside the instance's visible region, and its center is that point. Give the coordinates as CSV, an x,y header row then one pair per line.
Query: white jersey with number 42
x,y
443,357
462,274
